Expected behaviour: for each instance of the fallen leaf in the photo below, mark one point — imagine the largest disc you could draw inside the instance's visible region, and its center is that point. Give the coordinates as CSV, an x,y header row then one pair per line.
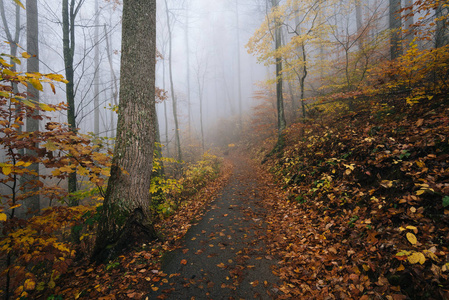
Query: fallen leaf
x,y
29,285
411,238
221,265
254,283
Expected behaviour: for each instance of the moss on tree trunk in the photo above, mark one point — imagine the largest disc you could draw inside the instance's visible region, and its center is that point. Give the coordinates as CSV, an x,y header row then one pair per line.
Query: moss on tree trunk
x,y
126,218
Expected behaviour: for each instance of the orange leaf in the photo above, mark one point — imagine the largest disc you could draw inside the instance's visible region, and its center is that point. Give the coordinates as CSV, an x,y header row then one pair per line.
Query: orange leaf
x,y
29,285
183,262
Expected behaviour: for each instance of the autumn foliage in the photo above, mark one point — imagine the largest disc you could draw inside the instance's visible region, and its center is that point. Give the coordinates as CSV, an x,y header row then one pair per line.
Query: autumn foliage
x,y
366,204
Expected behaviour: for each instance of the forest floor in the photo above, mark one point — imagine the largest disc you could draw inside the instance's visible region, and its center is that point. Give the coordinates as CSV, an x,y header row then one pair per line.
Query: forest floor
x,y
355,207
213,247
224,256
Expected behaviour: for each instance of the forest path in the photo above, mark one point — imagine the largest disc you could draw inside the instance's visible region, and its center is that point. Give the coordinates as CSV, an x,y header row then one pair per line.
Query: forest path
x,y
224,255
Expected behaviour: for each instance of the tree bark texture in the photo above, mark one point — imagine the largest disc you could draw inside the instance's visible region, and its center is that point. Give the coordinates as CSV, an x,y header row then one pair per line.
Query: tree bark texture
x,y
32,202
441,34
126,209
279,94
395,27
68,40
172,89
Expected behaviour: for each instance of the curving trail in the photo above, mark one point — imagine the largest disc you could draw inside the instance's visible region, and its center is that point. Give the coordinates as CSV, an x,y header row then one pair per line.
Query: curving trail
x,y
224,256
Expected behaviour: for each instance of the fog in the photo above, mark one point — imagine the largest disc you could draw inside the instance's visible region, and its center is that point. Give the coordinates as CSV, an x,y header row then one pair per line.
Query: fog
x,y
212,70
206,37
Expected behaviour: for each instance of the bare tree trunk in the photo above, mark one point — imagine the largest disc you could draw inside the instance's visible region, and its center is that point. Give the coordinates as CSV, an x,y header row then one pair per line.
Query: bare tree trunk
x,y
114,80
292,96
32,203
165,110
281,124
68,30
395,27
441,34
13,41
172,89
303,56
97,72
359,21
200,81
126,216
189,103
239,75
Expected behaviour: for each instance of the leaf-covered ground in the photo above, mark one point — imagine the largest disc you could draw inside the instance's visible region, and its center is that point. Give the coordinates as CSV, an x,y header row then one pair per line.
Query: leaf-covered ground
x,y
354,208
224,256
131,276
362,213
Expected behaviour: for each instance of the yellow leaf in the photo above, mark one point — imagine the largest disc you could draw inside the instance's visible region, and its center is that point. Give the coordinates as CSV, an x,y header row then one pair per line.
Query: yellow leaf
x,y
415,230
29,285
3,217
29,103
6,170
430,255
417,257
56,172
25,55
52,284
386,183
421,164
19,4
36,84
420,192
45,107
15,206
50,146
400,268
414,258
411,238
4,94
83,171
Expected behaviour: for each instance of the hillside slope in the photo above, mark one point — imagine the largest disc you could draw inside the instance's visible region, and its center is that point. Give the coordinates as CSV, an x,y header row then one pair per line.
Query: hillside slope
x,y
367,214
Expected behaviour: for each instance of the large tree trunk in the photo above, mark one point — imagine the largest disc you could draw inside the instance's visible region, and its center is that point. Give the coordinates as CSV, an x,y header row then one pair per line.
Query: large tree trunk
x,y
441,34
395,27
126,217
409,21
32,203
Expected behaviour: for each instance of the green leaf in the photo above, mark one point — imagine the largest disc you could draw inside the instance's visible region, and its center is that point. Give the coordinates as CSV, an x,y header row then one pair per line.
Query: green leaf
x,y
29,103
445,201
4,94
50,146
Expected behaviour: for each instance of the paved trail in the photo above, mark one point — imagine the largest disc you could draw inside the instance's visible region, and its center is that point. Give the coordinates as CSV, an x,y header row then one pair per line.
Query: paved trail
x,y
224,256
